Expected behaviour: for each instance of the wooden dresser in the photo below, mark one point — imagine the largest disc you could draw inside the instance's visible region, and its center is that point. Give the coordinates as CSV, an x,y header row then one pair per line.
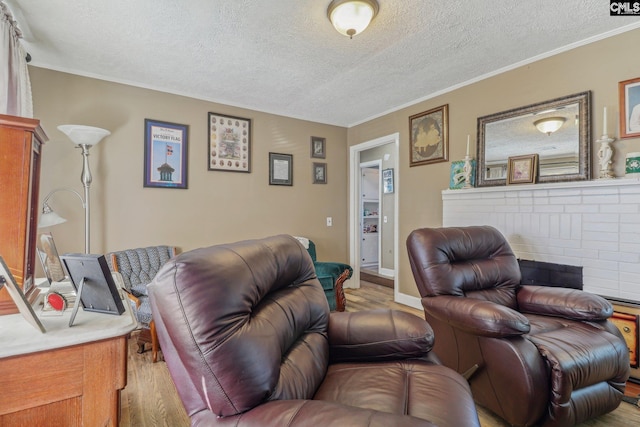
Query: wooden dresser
x,y
68,377
21,142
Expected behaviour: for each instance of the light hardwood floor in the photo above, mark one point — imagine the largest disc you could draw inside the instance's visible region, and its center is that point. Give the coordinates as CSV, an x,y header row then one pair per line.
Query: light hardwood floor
x,y
150,398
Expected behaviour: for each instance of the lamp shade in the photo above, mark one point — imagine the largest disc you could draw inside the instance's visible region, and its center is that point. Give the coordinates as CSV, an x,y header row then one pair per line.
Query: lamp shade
x,y
549,125
49,218
84,135
351,17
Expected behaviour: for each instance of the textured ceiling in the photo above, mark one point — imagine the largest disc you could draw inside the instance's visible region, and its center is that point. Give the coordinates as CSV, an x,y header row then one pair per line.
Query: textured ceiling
x,y
284,57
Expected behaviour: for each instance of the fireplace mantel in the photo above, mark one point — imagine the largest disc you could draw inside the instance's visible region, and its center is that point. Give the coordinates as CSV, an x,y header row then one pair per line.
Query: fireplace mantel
x,y
593,224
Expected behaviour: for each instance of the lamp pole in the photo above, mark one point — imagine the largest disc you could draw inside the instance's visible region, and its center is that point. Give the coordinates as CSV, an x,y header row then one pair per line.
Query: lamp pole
x,y
86,179
83,137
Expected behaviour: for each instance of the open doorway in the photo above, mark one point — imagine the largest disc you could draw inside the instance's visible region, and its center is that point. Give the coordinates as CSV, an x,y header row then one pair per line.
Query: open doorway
x,y
379,155
371,215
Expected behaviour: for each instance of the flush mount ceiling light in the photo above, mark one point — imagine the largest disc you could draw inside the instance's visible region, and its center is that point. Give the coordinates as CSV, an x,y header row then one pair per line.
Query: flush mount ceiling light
x,y
550,124
351,17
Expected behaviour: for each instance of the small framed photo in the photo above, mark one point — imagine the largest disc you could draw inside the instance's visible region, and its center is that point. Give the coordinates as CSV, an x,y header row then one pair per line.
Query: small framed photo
x,y
429,136
229,143
629,98
280,169
318,147
522,169
49,258
319,173
387,181
165,154
7,280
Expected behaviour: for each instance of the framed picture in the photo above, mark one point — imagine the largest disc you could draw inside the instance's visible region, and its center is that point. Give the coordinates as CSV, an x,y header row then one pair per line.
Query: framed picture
x,y
165,154
522,169
7,280
429,136
387,181
48,254
318,146
319,173
280,169
458,178
629,98
229,143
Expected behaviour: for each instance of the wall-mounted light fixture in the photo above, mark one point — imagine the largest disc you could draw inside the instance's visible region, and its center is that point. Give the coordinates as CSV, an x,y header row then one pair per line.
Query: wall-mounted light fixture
x,y
550,124
84,137
351,17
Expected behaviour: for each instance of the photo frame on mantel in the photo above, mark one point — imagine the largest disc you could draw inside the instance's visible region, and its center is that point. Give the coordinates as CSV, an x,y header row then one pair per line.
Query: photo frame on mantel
x,y
629,99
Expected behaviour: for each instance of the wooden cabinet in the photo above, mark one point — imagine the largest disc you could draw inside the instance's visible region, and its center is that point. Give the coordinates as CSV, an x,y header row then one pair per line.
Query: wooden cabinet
x,y
21,142
68,376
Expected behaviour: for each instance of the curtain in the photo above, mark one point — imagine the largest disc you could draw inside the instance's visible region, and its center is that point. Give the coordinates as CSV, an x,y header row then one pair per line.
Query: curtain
x,y
15,86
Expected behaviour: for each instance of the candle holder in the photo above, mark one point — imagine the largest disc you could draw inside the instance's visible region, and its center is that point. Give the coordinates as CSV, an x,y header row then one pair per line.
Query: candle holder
x,y
605,156
467,170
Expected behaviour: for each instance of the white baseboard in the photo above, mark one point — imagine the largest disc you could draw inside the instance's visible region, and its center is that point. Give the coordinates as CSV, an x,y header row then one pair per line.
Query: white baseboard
x,y
409,300
387,272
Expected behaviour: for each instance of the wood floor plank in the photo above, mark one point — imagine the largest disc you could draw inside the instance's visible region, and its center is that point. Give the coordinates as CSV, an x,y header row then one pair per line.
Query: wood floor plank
x,y
150,398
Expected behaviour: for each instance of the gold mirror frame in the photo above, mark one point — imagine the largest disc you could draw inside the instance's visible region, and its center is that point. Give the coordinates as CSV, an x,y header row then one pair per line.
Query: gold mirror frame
x,y
581,124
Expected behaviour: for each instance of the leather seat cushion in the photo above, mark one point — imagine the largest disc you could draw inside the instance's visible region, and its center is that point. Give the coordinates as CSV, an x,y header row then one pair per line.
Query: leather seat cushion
x,y
414,387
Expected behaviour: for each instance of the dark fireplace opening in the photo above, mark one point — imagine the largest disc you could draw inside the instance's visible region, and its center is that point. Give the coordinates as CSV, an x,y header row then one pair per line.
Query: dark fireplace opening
x,y
549,274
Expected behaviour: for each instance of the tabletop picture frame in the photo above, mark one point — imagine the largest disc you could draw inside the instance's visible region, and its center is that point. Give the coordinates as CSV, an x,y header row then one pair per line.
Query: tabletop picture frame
x,y
24,307
429,136
522,169
319,173
629,99
280,169
165,154
229,143
49,258
318,147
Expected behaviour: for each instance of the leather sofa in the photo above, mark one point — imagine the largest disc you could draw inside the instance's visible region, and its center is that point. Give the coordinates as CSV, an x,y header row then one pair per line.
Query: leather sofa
x,y
249,340
534,355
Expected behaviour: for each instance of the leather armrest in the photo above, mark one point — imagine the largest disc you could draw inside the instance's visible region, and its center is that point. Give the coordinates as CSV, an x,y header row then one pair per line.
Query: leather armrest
x,y
299,413
377,335
562,302
477,317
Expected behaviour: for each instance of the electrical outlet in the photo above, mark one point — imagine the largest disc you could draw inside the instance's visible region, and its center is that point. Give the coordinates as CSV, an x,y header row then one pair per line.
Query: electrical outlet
x,y
329,221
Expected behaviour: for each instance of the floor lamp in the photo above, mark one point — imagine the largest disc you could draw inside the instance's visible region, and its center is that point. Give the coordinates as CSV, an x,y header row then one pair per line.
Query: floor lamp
x,y
84,137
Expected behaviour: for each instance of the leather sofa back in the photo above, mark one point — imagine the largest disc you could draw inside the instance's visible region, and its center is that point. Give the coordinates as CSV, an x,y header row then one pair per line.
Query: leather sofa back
x,y
244,323
476,261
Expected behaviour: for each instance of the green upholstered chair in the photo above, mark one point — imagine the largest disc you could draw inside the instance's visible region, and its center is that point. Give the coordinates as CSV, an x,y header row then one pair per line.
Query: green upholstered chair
x,y
331,276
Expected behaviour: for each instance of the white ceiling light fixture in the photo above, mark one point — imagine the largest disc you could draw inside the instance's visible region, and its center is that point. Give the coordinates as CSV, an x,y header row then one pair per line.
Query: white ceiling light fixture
x,y
550,124
351,17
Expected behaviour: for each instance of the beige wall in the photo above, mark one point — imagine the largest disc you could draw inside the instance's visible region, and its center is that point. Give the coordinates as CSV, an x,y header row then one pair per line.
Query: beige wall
x,y
597,67
217,207
220,207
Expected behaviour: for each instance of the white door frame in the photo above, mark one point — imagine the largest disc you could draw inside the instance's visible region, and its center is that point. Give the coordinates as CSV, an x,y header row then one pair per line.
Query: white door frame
x,y
354,204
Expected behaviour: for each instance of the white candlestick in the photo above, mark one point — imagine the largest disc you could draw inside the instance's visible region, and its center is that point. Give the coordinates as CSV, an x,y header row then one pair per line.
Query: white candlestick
x,y
468,145
604,125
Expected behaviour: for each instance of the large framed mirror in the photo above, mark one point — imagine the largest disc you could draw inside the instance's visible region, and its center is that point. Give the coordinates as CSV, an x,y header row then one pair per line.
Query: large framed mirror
x,y
558,131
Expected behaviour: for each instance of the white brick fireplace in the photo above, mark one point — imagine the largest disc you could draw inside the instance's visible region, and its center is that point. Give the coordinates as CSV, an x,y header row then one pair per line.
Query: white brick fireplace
x,y
593,224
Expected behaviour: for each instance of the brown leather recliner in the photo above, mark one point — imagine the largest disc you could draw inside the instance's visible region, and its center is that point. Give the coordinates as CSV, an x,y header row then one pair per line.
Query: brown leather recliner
x,y
248,339
544,356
